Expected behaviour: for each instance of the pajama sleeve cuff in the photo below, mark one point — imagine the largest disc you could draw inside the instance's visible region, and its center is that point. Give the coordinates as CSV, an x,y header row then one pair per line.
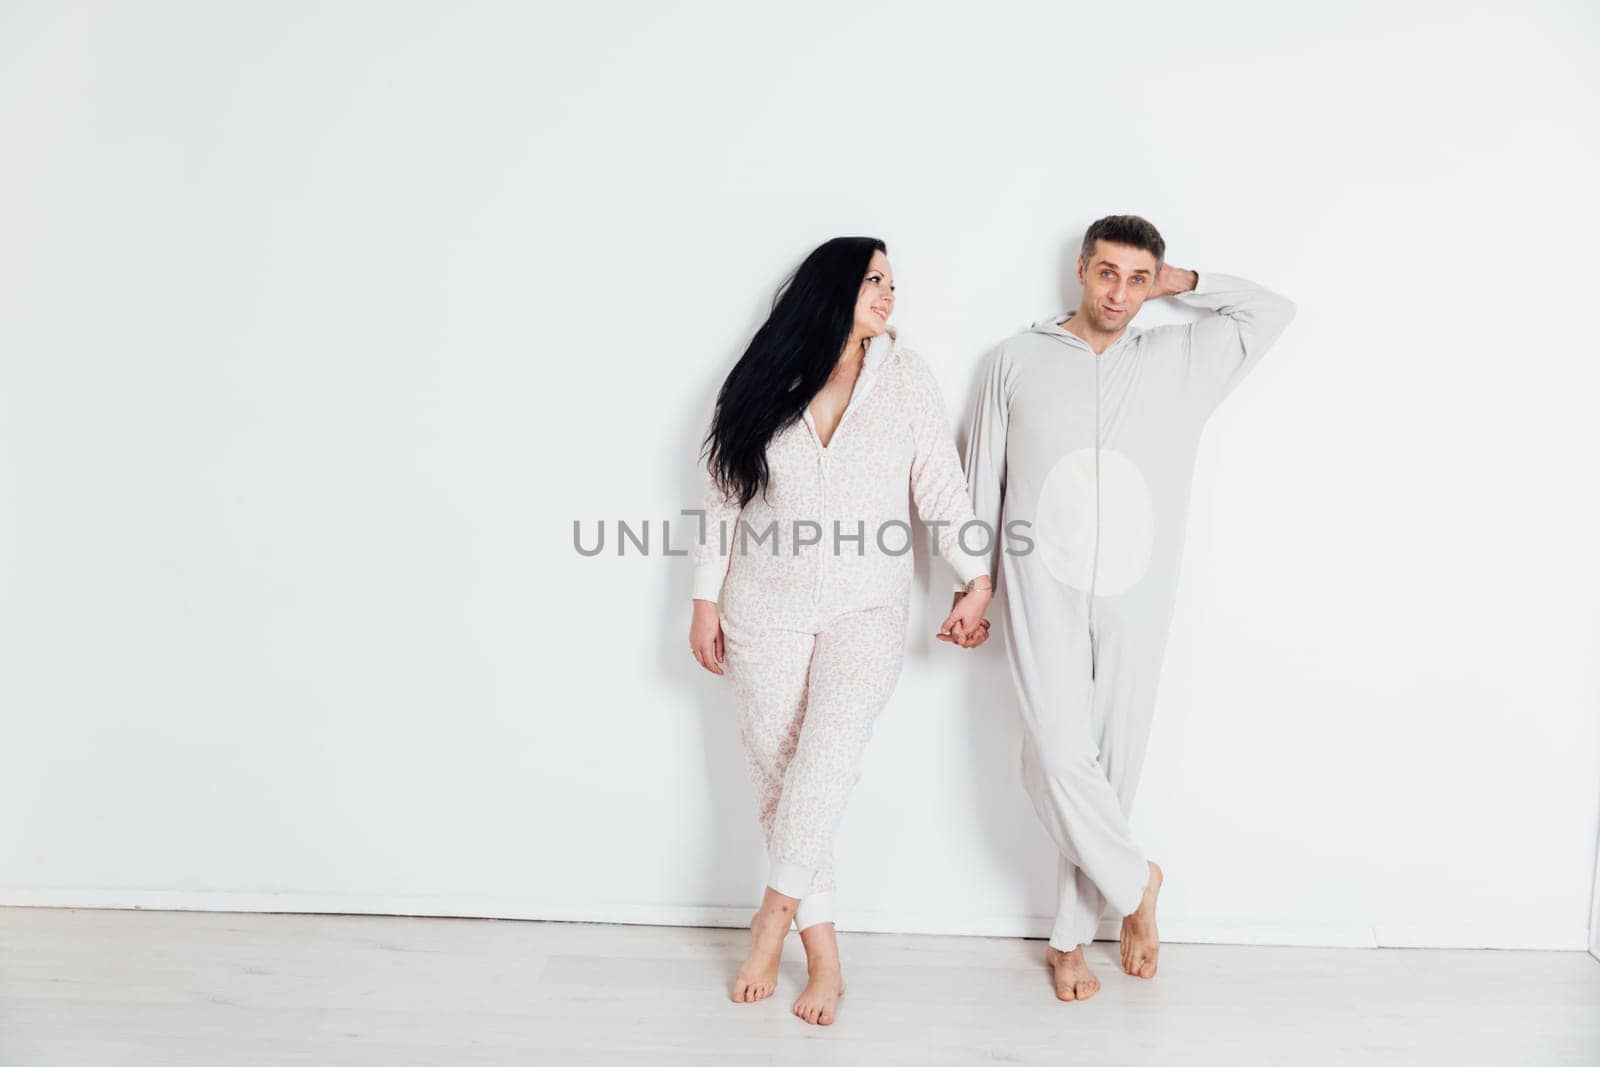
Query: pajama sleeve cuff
x,y
708,579
969,565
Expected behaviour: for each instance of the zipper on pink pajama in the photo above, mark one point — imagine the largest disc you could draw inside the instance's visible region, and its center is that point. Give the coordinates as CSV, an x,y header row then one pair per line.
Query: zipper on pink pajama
x,y
822,486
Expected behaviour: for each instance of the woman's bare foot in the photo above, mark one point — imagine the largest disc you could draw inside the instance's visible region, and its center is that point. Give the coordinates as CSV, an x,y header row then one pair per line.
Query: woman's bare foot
x,y
758,977
825,983
1074,979
1140,942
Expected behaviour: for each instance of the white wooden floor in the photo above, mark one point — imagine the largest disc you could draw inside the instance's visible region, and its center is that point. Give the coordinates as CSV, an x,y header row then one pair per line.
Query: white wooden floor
x,y
87,988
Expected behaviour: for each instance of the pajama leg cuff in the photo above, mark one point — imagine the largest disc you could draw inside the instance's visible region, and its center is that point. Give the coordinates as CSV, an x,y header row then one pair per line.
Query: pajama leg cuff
x,y
1070,931
817,908
790,879
1066,942
1131,895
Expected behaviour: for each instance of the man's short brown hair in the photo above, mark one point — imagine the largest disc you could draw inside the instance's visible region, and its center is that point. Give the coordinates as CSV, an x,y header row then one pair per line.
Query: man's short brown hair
x,y
1124,230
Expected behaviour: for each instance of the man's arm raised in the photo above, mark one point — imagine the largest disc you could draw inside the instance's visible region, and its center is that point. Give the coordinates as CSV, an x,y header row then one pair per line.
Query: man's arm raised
x,y
1222,348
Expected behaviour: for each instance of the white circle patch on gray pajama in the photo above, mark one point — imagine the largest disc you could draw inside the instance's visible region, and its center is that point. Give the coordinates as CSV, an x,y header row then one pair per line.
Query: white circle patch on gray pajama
x,y
1065,524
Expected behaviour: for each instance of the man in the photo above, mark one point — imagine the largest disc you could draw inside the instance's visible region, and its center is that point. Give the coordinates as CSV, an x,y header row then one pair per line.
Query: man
x,y
1085,429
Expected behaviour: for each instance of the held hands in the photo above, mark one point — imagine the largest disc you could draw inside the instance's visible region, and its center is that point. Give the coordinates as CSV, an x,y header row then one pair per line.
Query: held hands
x,y
1173,280
965,626
705,636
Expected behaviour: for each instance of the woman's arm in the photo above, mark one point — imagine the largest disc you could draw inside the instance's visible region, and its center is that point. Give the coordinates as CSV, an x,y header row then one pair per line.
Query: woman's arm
x,y
713,545
938,488
710,555
939,491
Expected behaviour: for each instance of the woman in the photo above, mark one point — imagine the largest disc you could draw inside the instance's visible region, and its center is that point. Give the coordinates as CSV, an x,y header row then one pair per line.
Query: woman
x,y
819,430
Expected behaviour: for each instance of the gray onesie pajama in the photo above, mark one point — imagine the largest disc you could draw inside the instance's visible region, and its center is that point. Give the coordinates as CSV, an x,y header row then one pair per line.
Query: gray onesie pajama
x,y
1095,455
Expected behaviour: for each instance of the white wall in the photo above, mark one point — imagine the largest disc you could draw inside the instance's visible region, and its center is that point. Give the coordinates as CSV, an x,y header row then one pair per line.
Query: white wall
x,y
320,324
1594,913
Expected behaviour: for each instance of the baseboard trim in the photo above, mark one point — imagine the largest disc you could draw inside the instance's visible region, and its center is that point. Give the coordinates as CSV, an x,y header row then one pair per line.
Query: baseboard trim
x,y
1174,928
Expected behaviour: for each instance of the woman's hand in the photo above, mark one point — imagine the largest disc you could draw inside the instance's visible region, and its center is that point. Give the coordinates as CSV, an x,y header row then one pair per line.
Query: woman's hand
x,y
705,636
965,625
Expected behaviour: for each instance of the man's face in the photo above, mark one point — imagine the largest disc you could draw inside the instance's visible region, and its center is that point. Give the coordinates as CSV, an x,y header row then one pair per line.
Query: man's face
x,y
1116,279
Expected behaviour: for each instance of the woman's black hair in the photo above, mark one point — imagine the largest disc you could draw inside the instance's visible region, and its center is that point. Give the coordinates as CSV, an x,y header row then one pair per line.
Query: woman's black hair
x,y
787,362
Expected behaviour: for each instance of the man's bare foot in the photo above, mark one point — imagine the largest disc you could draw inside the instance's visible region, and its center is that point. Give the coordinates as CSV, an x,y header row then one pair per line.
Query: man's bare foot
x,y
758,977
1074,980
825,984
1140,942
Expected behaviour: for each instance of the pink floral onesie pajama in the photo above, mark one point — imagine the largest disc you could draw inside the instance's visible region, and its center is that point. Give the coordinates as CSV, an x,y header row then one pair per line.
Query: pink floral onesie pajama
x,y
814,578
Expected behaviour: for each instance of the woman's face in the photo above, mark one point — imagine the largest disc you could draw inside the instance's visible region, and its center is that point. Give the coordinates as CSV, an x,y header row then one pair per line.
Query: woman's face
x,y
875,303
